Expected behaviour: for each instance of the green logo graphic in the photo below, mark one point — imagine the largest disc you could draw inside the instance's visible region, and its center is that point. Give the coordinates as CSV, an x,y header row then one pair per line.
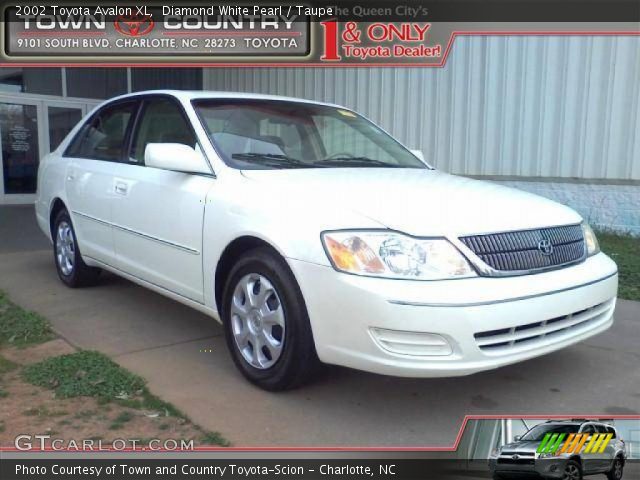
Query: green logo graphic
x,y
555,443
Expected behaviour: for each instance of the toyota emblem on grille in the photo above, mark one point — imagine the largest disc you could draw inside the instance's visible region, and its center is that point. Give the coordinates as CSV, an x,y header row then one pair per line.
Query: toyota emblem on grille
x,y
545,246
515,457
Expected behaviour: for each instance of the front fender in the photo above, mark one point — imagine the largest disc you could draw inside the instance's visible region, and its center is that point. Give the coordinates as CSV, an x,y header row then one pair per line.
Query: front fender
x,y
237,207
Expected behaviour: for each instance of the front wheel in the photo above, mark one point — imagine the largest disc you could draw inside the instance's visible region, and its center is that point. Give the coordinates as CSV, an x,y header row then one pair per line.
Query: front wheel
x,y
267,327
71,268
572,471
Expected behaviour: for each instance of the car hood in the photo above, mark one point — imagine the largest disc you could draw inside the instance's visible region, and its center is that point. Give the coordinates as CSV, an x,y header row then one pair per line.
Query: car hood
x,y
415,201
521,446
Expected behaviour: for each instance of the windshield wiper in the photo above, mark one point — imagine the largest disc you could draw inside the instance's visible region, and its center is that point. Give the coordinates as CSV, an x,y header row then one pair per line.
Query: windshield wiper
x,y
356,162
270,160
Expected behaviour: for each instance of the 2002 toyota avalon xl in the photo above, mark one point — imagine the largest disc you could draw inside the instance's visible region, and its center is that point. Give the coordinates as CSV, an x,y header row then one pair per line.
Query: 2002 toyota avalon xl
x,y
314,236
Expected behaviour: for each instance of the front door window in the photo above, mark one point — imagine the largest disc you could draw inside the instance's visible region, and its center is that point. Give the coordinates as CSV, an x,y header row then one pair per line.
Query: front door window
x,y
20,151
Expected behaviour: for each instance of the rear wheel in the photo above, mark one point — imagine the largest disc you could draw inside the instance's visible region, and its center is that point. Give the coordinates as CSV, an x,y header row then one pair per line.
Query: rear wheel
x,y
71,268
267,327
617,469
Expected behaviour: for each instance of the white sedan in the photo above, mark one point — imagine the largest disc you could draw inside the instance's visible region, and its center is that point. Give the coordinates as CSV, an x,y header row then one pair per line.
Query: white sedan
x,y
314,236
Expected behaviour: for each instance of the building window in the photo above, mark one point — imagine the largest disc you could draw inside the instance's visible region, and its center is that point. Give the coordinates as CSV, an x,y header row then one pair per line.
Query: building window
x,y
166,78
44,81
20,152
96,82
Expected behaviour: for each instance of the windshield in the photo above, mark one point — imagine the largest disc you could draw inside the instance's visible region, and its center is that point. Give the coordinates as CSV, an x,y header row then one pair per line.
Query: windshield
x,y
273,134
537,433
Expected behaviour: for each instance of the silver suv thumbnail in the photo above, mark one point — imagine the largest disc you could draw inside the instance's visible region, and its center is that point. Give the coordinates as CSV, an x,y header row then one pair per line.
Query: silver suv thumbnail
x,y
562,449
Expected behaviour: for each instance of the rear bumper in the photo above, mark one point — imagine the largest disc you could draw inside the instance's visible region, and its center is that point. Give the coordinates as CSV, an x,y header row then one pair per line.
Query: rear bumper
x,y
366,323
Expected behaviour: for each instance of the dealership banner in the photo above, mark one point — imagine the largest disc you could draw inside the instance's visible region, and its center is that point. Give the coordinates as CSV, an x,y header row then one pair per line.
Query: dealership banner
x,y
472,456
286,34
208,467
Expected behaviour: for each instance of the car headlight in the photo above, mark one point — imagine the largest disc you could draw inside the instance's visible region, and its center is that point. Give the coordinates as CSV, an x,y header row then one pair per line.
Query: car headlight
x,y
590,240
546,455
394,255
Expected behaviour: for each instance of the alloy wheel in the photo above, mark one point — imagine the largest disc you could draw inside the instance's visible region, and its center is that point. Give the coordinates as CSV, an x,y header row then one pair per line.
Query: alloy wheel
x,y
571,472
617,469
257,321
65,248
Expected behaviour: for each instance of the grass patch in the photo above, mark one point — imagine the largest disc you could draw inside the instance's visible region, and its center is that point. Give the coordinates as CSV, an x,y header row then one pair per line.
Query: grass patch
x,y
44,412
6,366
84,415
124,417
213,438
92,374
85,373
120,420
19,327
625,251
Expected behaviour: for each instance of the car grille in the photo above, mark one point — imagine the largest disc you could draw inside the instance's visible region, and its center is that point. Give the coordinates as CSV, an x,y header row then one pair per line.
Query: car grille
x,y
518,461
532,335
520,251
524,458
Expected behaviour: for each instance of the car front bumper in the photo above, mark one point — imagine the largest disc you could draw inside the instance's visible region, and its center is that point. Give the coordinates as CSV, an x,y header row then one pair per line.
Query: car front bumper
x,y
476,324
552,467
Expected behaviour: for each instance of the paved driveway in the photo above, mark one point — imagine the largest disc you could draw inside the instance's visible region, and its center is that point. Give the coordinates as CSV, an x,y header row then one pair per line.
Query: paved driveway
x,y
165,342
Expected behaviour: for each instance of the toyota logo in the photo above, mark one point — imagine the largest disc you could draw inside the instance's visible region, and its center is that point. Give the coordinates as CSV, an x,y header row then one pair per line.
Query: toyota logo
x,y
134,25
515,457
545,246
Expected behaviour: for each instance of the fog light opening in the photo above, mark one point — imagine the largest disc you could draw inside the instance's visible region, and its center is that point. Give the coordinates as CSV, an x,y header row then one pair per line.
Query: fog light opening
x,y
418,344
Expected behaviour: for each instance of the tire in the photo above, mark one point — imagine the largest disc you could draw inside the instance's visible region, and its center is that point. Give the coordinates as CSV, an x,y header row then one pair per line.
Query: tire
x,y
617,469
71,268
262,306
572,471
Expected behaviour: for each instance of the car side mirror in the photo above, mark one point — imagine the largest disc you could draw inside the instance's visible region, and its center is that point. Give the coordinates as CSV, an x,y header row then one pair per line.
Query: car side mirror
x,y
175,156
517,438
418,154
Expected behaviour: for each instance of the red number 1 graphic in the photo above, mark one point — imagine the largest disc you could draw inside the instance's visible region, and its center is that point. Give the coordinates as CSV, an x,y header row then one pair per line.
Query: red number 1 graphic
x,y
330,41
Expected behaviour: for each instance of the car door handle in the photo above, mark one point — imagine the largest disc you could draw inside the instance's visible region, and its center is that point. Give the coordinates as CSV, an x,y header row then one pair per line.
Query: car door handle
x,y
121,188
71,177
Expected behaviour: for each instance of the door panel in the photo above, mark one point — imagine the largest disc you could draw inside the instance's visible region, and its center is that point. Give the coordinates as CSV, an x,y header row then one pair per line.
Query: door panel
x,y
158,214
95,152
589,460
606,457
89,187
158,217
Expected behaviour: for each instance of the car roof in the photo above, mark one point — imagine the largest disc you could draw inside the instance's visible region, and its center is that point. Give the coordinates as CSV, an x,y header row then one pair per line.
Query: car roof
x,y
188,95
576,422
563,422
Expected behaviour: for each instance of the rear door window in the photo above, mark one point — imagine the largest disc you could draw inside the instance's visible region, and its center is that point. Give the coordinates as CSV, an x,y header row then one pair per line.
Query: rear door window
x,y
103,137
